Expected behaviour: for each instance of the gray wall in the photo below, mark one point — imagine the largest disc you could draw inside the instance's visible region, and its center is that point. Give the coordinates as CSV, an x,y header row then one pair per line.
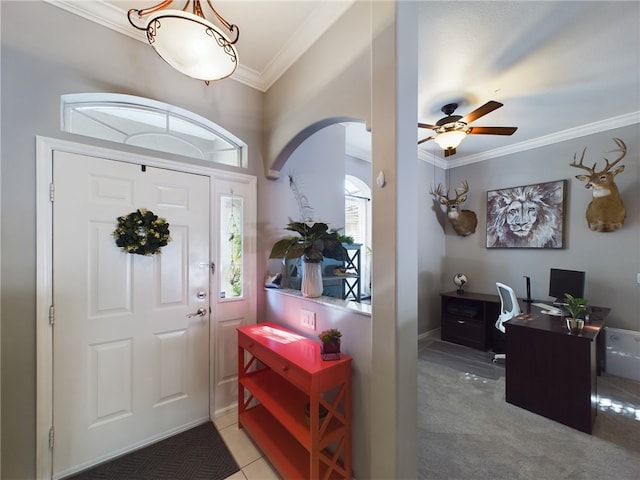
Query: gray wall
x,y
611,260
432,245
47,52
318,169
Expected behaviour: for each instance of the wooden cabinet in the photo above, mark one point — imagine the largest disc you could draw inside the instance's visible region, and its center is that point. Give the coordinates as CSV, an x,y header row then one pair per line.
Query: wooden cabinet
x,y
469,318
552,373
281,374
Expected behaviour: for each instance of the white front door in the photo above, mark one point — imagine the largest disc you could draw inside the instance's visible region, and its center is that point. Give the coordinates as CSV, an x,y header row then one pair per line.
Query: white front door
x,y
130,365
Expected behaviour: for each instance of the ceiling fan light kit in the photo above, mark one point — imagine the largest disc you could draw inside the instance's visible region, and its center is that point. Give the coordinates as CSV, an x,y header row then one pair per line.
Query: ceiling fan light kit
x,y
450,139
189,42
452,129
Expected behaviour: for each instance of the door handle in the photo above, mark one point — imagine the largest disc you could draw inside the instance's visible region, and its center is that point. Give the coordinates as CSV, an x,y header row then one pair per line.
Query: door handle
x,y
200,313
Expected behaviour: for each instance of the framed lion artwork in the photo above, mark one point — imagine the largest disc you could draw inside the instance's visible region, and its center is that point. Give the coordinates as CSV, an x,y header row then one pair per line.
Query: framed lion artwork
x,y
530,216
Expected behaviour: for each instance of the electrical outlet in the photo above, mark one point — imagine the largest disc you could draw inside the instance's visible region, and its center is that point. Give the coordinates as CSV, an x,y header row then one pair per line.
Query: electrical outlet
x,y
639,278
308,319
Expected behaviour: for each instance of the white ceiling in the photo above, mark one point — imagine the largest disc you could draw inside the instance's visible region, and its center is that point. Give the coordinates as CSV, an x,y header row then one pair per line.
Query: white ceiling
x,y
562,69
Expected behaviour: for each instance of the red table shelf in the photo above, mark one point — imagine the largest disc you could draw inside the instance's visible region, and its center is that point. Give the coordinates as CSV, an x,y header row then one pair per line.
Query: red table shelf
x,y
280,372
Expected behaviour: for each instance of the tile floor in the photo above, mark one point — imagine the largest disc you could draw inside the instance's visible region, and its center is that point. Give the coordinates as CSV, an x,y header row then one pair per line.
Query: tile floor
x,y
253,466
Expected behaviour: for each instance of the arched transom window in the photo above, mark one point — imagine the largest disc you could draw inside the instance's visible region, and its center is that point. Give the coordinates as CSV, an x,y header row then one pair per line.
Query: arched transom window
x,y
150,124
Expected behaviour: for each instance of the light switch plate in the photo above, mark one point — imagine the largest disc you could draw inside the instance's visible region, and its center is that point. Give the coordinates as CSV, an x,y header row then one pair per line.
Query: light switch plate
x,y
308,319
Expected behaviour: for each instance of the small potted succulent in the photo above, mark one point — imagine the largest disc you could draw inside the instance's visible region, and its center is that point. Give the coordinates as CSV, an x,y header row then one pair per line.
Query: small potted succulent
x,y
330,341
577,307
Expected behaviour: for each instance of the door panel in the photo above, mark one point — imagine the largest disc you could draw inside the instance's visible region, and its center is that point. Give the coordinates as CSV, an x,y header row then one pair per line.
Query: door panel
x,y
129,365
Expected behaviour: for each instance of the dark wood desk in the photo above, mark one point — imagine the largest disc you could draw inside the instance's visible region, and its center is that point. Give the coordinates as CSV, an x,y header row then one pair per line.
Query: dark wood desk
x,y
551,372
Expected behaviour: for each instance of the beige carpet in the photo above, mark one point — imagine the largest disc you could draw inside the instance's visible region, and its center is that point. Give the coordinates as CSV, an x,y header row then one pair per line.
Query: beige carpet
x,y
466,430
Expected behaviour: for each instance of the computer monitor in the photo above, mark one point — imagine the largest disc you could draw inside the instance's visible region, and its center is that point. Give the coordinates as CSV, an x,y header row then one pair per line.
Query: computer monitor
x,y
566,281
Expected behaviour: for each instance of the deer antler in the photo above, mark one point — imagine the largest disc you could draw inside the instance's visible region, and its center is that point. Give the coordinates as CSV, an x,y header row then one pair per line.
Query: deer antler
x,y
440,193
580,165
621,148
465,189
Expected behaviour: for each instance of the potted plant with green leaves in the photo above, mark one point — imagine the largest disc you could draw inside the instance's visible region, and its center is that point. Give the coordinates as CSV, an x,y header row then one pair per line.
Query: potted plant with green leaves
x,y
576,307
330,341
313,242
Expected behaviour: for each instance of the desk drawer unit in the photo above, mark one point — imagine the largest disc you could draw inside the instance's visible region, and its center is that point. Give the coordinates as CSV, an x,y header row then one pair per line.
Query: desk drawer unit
x,y
464,331
467,319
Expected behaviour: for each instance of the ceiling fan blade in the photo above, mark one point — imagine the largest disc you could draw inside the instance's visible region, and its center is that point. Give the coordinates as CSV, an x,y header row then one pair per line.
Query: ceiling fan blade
x,y
424,140
426,125
491,130
488,107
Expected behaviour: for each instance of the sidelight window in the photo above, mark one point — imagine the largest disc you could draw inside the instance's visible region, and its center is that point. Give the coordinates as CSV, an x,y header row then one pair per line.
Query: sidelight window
x,y
231,238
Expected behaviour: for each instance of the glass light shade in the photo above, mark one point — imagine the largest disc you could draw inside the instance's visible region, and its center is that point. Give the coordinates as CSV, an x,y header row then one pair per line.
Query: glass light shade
x,y
450,139
192,45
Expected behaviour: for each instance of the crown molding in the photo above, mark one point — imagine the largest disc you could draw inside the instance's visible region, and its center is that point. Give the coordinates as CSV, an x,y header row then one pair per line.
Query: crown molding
x,y
101,13
321,19
308,32
620,121
109,16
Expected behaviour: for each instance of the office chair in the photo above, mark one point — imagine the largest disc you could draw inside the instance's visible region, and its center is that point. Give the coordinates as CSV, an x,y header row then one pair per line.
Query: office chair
x,y
509,308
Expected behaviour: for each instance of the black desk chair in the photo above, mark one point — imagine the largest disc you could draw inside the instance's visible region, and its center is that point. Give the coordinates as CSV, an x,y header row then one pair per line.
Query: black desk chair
x,y
509,308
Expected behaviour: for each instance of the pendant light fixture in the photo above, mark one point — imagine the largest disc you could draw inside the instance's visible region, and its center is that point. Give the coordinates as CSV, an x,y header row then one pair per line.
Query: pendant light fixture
x,y
189,42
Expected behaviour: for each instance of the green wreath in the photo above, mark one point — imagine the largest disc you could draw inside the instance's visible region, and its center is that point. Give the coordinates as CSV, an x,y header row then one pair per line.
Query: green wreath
x,y
142,232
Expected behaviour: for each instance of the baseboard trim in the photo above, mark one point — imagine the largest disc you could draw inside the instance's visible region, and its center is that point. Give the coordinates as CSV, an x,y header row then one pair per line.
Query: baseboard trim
x,y
431,334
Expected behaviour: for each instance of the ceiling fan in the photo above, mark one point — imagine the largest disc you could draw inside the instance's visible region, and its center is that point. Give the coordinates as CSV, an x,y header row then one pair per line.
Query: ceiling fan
x,y
452,129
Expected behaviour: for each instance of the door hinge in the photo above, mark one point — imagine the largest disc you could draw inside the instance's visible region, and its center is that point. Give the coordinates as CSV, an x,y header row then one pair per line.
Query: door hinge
x,y
52,192
213,268
52,315
51,437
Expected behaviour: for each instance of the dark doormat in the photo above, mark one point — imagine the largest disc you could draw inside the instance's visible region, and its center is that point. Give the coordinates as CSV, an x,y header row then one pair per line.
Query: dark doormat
x,y
197,454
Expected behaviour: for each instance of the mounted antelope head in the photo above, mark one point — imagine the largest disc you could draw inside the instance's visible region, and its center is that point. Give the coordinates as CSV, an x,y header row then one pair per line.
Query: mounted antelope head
x,y
606,211
464,222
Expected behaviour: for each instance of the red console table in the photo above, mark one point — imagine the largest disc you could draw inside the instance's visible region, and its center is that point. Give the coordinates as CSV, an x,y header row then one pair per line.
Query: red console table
x,y
280,375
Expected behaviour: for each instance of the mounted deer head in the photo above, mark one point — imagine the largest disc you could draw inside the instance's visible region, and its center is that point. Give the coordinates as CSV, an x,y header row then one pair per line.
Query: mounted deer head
x,y
464,222
606,211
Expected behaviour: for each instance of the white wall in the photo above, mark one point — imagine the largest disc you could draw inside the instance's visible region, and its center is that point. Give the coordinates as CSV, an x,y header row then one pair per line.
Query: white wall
x,y
359,168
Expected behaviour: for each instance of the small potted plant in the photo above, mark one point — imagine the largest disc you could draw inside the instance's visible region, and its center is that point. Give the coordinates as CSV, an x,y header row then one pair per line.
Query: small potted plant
x,y
330,341
577,307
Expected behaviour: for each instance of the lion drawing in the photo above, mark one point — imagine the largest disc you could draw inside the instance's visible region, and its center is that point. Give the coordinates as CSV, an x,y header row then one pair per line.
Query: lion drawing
x,y
526,217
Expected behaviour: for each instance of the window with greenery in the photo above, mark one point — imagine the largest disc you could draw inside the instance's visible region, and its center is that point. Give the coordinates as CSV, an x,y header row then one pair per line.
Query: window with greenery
x,y
231,237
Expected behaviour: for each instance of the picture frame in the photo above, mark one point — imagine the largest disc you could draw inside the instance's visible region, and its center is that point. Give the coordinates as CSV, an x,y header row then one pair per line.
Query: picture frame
x,y
527,216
